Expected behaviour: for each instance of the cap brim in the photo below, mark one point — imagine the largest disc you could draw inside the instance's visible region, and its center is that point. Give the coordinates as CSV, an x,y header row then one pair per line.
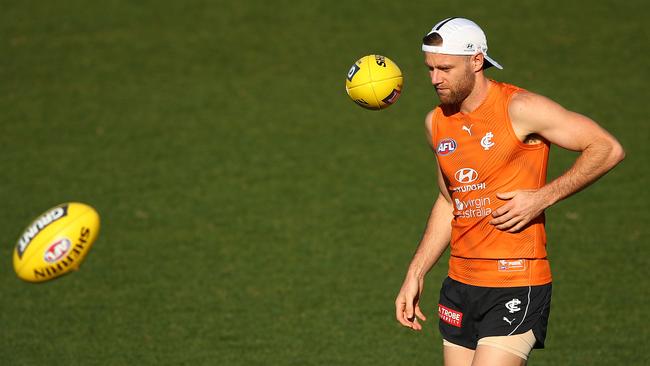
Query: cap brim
x,y
490,62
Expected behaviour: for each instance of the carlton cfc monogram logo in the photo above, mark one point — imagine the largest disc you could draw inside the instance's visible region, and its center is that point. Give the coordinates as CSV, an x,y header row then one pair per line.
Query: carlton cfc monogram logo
x,y
513,305
486,141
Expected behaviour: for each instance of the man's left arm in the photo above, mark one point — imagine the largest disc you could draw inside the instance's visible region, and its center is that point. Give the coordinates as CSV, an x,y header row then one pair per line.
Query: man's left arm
x,y
599,152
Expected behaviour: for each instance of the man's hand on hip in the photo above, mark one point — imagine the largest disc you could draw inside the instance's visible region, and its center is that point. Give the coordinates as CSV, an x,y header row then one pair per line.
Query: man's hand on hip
x,y
522,207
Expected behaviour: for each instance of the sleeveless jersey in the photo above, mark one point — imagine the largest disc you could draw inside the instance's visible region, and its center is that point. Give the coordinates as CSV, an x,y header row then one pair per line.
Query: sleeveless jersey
x,y
479,156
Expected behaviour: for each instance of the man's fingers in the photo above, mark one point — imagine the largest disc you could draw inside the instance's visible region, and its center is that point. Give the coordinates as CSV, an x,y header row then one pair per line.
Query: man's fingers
x,y
409,310
506,195
518,227
404,322
401,314
419,313
509,224
502,210
416,325
406,318
500,219
400,305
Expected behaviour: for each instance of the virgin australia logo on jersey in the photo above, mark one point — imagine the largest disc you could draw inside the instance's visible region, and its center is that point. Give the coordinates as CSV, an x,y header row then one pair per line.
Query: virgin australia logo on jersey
x,y
473,208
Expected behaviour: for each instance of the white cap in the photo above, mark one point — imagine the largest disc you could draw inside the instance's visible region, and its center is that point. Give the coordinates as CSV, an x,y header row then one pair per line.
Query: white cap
x,y
463,37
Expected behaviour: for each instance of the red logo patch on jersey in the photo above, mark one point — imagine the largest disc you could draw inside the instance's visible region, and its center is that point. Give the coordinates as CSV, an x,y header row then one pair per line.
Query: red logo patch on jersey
x,y
514,265
450,316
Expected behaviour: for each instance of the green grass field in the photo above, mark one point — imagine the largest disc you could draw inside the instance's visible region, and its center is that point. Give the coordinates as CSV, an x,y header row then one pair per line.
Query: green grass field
x,y
253,215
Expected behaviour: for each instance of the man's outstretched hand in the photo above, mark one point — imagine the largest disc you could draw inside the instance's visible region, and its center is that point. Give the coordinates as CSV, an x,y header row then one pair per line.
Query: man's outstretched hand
x,y
407,307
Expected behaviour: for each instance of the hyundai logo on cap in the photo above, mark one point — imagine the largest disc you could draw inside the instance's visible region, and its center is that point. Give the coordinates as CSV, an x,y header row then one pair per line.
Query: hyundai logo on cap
x,y
461,37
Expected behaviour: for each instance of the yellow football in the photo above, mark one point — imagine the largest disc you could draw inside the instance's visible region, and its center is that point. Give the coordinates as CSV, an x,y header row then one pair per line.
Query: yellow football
x,y
56,242
374,82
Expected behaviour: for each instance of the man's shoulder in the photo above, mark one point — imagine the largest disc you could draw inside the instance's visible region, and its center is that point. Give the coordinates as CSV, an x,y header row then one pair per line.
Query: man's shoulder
x,y
436,114
525,102
520,96
506,85
532,113
520,100
508,91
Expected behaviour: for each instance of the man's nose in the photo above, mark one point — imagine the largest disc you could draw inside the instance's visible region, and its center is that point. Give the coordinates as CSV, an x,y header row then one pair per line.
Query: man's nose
x,y
435,77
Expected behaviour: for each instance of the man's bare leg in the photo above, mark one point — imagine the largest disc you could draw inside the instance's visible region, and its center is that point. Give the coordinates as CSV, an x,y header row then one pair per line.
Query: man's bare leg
x,y
492,356
456,355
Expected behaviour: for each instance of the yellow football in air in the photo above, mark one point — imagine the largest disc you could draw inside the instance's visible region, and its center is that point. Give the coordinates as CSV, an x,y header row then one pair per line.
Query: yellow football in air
x,y
374,82
56,242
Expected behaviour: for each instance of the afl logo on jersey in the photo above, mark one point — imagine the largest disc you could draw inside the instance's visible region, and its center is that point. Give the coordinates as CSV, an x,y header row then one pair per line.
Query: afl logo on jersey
x,y
446,146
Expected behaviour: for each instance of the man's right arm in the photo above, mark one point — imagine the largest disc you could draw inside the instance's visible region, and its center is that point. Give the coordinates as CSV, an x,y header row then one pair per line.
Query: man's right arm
x,y
435,240
437,234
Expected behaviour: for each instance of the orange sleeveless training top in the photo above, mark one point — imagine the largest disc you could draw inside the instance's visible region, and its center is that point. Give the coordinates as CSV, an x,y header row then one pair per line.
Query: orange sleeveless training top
x,y
480,156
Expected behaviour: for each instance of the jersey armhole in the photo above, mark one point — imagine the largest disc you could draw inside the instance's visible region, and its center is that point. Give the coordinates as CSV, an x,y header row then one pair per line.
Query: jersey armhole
x,y
511,130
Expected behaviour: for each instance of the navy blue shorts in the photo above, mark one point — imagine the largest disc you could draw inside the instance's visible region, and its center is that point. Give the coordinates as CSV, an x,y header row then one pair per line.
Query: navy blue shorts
x,y
468,313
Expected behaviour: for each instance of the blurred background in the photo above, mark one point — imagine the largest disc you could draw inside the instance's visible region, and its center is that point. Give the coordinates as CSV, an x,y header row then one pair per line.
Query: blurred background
x,y
253,215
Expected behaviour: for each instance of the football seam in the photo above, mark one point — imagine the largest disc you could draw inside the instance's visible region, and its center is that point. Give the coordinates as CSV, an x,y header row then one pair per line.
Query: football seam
x,y
375,81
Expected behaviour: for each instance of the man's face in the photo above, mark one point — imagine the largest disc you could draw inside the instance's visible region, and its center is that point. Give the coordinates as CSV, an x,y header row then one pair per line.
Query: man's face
x,y
451,75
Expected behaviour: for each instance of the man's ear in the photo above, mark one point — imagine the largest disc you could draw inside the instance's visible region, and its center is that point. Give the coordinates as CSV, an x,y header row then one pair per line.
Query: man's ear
x,y
477,62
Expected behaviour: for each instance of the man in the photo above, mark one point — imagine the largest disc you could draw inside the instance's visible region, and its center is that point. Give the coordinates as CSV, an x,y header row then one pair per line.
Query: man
x,y
491,142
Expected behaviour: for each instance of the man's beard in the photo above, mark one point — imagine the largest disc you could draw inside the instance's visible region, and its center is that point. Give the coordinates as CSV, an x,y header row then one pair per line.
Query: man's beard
x,y
460,91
